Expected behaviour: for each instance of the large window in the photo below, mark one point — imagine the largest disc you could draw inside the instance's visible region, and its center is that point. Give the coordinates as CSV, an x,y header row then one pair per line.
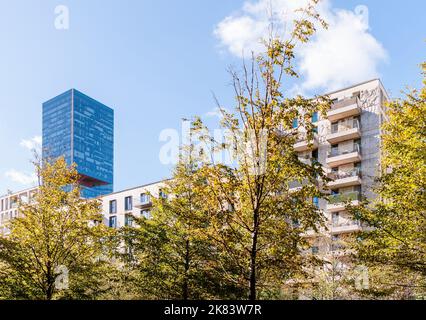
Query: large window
x,y
335,218
128,203
113,206
128,220
113,222
145,198
146,214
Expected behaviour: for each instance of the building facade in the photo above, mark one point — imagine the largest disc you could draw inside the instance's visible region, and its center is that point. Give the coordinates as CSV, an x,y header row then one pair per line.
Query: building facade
x,y
9,206
347,144
119,208
82,130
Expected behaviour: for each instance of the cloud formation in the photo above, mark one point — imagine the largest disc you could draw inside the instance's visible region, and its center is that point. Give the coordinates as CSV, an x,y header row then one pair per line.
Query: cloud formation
x,y
33,143
343,54
21,177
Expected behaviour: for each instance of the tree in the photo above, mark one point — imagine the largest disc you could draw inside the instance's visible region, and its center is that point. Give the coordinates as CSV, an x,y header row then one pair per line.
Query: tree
x,y
397,217
255,218
171,250
56,234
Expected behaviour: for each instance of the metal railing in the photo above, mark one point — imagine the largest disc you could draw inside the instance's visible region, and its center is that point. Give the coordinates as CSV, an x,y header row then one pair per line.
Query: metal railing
x,y
345,102
356,172
347,223
337,152
303,137
347,125
343,197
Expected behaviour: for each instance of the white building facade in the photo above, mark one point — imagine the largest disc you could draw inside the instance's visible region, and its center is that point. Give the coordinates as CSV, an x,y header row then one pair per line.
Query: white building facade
x,y
347,144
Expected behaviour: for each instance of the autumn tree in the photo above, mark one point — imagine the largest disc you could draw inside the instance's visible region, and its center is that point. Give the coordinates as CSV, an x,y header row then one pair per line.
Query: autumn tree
x,y
57,235
397,217
170,248
256,218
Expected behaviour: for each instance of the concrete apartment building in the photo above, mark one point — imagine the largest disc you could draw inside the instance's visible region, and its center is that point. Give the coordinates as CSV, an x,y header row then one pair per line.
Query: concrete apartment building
x,y
347,144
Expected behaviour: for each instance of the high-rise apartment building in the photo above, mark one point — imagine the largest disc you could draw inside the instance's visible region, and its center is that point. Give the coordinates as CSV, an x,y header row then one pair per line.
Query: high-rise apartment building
x,y
347,144
82,130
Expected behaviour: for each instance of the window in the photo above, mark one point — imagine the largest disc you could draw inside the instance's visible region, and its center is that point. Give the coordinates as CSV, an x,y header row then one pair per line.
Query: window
x,y
335,246
296,223
128,205
145,198
315,117
315,201
146,214
128,220
113,222
315,155
162,194
295,123
113,206
335,218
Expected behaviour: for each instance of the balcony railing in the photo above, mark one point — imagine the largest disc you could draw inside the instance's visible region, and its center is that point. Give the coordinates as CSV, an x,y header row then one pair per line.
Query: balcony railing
x,y
345,102
347,223
337,152
343,197
345,174
348,125
143,204
303,136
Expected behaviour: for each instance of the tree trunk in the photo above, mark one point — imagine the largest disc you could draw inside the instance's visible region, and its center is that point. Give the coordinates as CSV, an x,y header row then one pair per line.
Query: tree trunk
x,y
253,256
50,282
185,280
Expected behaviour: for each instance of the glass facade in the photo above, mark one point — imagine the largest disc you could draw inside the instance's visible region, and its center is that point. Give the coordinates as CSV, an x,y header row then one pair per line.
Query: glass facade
x,y
81,129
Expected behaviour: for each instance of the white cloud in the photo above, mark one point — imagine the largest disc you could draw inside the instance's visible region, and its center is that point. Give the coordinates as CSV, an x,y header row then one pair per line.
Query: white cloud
x,y
341,55
33,143
21,177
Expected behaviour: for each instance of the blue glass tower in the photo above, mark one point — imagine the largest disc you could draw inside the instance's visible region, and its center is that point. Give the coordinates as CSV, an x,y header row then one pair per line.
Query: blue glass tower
x,y
82,130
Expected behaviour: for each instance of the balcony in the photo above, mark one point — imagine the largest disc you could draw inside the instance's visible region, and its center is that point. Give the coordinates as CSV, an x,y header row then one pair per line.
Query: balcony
x,y
344,108
143,204
345,179
339,157
346,227
295,186
306,159
302,143
337,202
347,131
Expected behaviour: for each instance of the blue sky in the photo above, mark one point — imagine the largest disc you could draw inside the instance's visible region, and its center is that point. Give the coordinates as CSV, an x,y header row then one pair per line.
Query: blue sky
x,y
155,62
